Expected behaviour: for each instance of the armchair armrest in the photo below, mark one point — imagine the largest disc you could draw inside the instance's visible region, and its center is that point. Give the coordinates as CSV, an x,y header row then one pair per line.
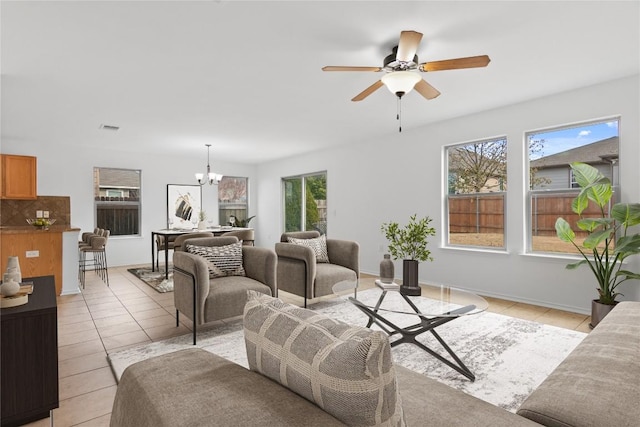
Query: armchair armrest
x,y
184,285
345,253
299,252
290,254
260,264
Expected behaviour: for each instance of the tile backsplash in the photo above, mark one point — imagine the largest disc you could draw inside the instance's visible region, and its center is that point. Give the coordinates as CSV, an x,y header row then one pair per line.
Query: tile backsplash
x,y
15,212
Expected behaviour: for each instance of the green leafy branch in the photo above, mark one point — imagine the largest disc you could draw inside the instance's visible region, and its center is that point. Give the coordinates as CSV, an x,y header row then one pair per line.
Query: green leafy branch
x,y
409,242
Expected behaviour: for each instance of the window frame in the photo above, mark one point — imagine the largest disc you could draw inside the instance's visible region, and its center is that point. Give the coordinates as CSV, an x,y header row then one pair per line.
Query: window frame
x,y
246,204
529,192
448,195
97,199
303,200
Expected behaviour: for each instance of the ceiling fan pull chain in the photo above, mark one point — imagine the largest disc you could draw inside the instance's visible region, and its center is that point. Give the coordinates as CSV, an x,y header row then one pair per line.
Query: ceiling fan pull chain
x,y
399,114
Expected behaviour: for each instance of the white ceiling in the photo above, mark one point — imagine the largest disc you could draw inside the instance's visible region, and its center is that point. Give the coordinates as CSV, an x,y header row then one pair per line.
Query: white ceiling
x,y
246,76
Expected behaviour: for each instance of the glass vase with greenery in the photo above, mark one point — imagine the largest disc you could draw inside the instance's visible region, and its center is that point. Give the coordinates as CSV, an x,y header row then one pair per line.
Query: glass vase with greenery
x,y
409,243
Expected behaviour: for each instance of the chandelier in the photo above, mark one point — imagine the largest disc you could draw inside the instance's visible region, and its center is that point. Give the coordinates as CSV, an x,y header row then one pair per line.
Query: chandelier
x,y
211,177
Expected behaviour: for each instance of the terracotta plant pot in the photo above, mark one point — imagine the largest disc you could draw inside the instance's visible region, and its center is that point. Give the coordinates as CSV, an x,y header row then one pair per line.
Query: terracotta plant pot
x,y
598,312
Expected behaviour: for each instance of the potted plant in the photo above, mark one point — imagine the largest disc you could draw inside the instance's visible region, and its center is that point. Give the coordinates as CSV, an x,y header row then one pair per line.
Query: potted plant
x,y
244,222
409,243
607,243
202,216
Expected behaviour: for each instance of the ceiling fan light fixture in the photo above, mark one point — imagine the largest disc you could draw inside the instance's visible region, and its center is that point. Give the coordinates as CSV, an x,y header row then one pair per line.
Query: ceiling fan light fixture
x,y
401,82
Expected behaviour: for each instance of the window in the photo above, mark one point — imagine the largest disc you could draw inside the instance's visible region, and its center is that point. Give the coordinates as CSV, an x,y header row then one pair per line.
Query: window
x,y
551,183
476,186
305,203
572,181
117,200
233,192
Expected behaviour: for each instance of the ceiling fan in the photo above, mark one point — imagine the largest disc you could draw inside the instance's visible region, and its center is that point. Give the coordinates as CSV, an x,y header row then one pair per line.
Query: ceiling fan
x,y
401,68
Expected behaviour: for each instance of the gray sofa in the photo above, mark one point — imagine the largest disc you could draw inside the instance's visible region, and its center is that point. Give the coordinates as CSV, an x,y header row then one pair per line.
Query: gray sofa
x,y
597,385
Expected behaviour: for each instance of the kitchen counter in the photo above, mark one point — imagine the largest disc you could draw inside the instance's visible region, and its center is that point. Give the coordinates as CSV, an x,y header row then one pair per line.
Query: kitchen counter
x,y
52,252
17,229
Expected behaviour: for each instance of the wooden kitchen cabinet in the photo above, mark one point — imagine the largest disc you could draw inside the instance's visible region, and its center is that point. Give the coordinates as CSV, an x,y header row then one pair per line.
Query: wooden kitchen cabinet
x,y
19,177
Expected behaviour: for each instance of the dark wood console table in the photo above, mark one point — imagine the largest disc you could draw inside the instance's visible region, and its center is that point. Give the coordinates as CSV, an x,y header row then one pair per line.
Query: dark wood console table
x,y
29,356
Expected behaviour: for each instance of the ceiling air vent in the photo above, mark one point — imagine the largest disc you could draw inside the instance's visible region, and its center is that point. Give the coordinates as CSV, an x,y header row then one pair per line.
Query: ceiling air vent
x,y
109,127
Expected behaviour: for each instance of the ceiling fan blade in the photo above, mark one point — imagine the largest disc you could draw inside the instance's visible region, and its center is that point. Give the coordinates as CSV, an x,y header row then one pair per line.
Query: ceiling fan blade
x,y
368,91
408,45
345,68
455,64
426,90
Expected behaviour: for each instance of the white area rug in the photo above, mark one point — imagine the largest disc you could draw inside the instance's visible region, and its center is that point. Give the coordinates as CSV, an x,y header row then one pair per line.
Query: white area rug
x,y
509,357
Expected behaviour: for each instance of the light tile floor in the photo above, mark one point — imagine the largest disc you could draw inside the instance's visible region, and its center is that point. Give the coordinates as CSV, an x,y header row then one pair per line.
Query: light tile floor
x,y
130,313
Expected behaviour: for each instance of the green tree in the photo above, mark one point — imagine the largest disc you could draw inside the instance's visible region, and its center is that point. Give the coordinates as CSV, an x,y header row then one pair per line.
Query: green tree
x,y
318,186
312,214
315,189
293,204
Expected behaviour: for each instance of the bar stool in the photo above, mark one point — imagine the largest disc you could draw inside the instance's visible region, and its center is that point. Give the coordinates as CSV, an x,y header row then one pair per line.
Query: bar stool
x,y
86,236
98,260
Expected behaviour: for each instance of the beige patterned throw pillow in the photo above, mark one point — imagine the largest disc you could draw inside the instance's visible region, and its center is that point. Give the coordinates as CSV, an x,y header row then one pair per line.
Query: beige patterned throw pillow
x,y
346,370
221,260
318,244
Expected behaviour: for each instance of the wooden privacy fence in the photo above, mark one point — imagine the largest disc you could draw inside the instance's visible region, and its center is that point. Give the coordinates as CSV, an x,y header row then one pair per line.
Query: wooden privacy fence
x,y
118,219
484,212
546,208
476,213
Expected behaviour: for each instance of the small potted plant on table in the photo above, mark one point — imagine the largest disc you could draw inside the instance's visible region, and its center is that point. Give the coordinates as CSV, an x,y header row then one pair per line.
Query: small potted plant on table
x,y
607,243
409,243
202,217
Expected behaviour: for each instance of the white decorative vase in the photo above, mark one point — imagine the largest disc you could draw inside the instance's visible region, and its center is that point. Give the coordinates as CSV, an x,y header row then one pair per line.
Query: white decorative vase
x,y
13,266
9,288
202,225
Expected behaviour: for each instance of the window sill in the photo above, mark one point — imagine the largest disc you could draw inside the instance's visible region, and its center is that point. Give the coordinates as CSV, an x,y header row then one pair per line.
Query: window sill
x,y
482,249
558,256
126,236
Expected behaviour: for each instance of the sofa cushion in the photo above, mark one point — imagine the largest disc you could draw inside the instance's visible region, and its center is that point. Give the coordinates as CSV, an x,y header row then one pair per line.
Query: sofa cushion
x,y
346,370
221,261
428,402
597,384
318,244
195,388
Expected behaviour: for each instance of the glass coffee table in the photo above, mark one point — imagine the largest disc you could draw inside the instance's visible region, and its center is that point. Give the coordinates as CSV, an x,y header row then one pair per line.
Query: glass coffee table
x,y
436,306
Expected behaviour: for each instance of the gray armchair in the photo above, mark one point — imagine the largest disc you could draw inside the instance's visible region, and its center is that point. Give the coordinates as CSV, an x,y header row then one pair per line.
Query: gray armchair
x,y
204,300
300,274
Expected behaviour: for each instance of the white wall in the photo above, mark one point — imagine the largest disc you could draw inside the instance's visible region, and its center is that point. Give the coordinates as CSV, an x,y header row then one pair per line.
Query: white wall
x,y
389,179
376,181
69,172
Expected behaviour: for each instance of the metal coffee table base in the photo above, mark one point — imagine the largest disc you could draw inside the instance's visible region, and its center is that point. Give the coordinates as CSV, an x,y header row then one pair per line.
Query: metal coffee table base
x,y
408,334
